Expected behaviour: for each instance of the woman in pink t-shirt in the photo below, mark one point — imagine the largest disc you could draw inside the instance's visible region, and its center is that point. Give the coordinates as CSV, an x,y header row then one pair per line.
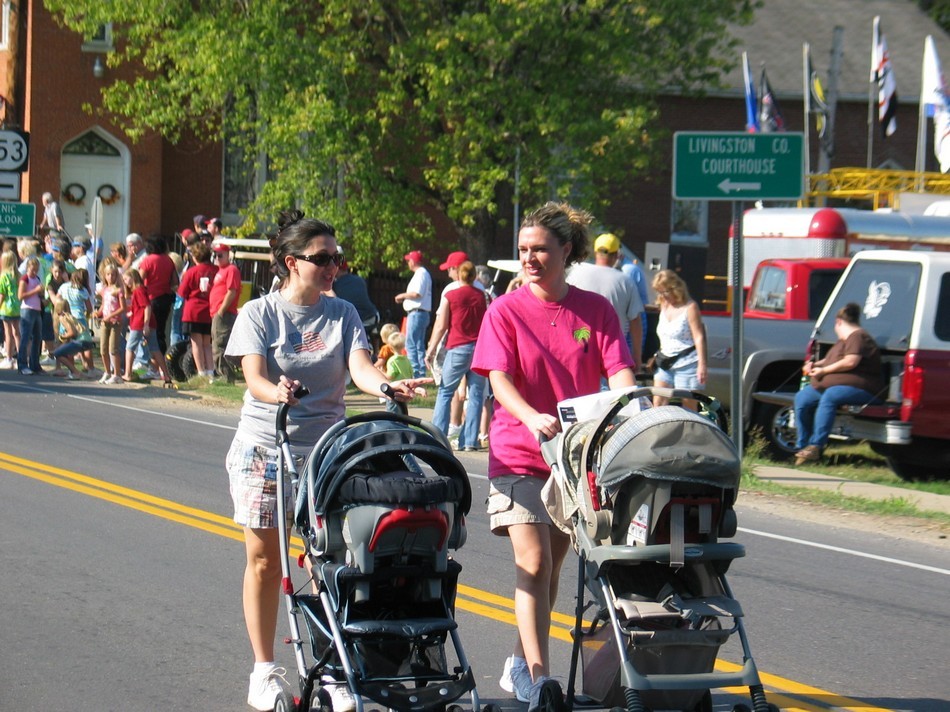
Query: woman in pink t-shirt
x,y
540,344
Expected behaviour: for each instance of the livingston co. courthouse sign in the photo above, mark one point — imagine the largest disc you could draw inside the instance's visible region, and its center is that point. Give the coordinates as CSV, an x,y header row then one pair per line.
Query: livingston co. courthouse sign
x,y
738,166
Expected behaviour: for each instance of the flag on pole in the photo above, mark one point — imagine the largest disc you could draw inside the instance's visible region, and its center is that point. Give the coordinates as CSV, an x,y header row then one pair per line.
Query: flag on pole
x,y
751,114
882,72
816,95
934,98
770,116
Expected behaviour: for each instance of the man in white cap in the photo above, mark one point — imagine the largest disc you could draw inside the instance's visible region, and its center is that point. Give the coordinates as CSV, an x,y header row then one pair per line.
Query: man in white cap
x,y
95,254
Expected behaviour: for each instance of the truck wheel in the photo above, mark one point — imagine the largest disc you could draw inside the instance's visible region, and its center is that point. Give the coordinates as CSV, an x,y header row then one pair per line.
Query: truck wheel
x,y
915,471
777,425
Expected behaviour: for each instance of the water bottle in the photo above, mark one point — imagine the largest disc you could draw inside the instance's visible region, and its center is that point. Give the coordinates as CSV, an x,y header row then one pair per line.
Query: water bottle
x,y
805,382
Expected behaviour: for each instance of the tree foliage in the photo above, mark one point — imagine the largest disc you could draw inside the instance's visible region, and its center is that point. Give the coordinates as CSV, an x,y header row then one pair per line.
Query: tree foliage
x,y
378,114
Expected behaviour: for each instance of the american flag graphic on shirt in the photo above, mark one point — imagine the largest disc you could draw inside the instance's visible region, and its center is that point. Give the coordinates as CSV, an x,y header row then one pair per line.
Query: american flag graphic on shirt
x,y
307,341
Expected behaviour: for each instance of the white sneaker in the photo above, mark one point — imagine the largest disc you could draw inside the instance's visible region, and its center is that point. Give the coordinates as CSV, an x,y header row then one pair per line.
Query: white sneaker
x,y
114,380
264,688
152,375
454,430
48,361
26,372
516,678
340,696
104,378
7,364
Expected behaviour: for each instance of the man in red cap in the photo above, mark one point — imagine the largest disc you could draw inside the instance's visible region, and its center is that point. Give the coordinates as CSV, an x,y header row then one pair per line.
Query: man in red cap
x,y
417,301
223,303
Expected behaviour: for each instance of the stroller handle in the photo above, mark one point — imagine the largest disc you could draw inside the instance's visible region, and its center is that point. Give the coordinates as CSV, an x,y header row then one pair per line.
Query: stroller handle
x,y
391,394
282,410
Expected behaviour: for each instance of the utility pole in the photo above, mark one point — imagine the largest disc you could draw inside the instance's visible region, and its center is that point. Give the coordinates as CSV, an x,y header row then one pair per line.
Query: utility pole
x,y
826,145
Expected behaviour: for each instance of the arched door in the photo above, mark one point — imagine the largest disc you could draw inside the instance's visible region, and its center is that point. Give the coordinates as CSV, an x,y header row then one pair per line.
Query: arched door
x,y
95,163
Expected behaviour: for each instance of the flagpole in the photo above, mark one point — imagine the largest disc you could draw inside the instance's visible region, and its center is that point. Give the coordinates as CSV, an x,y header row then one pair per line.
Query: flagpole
x,y
806,85
922,119
871,86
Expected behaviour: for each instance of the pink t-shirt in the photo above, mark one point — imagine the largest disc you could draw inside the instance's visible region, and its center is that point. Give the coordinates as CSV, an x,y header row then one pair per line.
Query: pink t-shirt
x,y
546,363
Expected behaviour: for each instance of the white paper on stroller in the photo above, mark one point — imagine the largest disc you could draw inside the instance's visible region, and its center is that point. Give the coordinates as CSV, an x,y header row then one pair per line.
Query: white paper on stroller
x,y
574,410
637,531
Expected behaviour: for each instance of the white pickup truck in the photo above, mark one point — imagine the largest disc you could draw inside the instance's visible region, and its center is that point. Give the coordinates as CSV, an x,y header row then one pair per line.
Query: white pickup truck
x,y
905,300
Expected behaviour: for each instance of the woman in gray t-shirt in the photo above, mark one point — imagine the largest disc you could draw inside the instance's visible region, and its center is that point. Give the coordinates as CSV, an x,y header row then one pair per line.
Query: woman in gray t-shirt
x,y
294,336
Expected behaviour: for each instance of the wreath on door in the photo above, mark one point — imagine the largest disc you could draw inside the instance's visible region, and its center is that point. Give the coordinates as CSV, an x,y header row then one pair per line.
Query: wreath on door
x,y
108,194
74,194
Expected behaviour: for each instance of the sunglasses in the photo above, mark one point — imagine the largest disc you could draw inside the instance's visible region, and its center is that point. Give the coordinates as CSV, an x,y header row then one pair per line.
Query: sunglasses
x,y
322,259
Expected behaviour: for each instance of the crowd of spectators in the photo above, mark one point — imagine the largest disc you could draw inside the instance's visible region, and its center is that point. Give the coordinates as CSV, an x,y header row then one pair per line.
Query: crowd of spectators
x,y
60,297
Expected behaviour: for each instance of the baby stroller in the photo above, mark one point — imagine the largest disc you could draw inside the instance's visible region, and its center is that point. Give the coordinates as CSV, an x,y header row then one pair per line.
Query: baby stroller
x,y
378,603
646,497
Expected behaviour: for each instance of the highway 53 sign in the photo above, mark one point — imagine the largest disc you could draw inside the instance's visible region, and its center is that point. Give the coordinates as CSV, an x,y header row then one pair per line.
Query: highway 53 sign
x,y
738,166
14,150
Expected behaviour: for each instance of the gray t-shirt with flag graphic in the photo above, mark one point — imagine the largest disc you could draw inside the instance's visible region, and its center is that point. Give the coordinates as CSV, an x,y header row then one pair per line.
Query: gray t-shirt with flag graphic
x,y
309,343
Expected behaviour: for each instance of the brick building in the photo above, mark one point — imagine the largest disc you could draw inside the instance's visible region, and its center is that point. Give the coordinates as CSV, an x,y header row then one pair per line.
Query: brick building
x,y
47,75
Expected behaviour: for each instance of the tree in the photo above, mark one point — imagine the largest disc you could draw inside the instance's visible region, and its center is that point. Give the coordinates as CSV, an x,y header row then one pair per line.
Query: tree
x,y
379,114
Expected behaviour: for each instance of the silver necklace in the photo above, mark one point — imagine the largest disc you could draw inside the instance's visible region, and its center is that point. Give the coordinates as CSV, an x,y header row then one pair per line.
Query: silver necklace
x,y
556,315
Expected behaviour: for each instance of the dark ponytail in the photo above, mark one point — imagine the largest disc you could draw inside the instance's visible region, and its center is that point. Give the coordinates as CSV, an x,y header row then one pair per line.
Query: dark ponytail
x,y
294,233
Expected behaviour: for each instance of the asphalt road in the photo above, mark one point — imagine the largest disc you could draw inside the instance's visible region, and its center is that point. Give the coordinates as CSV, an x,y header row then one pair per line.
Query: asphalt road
x,y
121,575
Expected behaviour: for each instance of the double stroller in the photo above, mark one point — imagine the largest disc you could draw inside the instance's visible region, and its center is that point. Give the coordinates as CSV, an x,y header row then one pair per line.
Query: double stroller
x,y
646,494
379,592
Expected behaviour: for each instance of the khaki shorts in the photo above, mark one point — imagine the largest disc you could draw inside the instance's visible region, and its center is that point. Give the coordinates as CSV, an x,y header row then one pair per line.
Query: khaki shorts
x,y
515,499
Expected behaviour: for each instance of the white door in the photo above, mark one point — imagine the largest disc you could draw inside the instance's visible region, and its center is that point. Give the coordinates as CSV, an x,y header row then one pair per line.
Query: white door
x,y
95,164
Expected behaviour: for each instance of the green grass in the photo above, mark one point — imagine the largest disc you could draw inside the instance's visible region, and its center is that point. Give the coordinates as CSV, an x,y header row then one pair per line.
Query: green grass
x,y
855,461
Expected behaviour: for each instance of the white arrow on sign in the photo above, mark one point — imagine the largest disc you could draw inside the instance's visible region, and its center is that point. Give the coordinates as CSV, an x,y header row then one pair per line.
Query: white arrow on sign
x,y
727,185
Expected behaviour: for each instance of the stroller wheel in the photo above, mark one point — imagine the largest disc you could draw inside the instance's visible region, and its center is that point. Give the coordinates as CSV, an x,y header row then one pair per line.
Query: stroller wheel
x,y
546,698
285,702
705,704
741,708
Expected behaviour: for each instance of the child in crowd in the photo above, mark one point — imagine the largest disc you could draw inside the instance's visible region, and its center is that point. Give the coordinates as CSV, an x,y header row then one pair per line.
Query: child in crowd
x,y
398,367
30,293
9,308
111,316
142,324
385,351
76,293
75,338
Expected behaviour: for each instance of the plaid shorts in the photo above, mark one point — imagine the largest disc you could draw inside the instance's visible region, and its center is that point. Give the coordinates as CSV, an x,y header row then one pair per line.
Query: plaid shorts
x,y
252,473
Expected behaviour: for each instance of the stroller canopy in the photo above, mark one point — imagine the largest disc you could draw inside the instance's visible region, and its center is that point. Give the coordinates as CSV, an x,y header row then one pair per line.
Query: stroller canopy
x,y
669,443
377,447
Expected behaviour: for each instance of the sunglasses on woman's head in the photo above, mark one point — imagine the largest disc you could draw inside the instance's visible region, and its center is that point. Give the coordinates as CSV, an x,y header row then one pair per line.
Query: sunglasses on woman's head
x,y
322,259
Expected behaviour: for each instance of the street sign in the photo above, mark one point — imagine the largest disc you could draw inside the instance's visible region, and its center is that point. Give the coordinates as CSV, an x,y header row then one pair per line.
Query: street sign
x,y
95,217
9,185
17,219
738,166
14,150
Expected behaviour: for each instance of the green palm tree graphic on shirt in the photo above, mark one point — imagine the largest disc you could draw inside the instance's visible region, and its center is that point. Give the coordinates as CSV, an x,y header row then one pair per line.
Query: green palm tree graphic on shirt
x,y
582,336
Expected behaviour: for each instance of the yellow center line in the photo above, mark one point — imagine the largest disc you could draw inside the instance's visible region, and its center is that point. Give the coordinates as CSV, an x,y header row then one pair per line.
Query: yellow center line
x,y
472,600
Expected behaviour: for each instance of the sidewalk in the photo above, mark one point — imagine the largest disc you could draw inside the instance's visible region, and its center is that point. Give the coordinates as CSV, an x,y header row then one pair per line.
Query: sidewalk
x,y
786,476
851,488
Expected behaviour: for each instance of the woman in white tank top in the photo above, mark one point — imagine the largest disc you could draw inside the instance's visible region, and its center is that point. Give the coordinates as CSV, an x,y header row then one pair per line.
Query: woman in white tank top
x,y
681,333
